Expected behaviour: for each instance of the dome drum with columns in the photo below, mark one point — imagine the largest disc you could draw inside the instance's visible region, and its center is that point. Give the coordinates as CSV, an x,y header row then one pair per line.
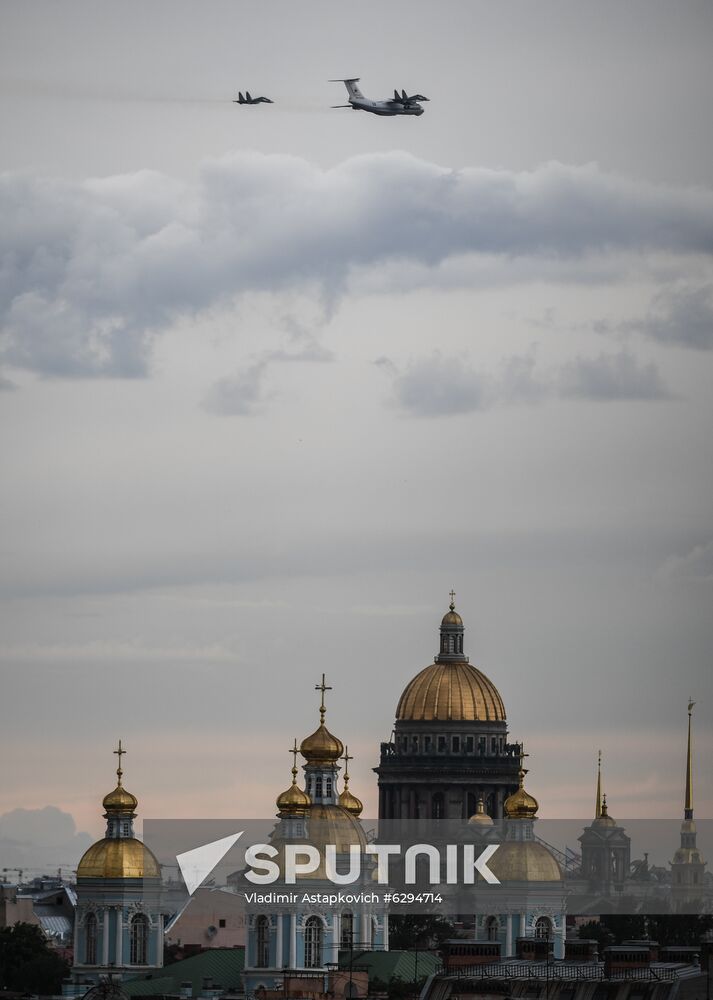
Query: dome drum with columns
x,y
450,741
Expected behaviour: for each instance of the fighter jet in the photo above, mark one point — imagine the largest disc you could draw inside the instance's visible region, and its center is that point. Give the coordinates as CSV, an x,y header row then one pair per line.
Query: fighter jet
x,y
251,100
396,105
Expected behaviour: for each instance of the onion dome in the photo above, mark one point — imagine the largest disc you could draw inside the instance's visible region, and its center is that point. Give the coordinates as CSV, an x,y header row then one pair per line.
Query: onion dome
x,y
120,801
347,800
521,805
480,817
118,858
450,688
603,819
326,824
294,800
321,747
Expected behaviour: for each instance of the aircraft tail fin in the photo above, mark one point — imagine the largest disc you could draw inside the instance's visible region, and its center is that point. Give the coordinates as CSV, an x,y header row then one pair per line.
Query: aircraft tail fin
x,y
241,99
352,87
248,98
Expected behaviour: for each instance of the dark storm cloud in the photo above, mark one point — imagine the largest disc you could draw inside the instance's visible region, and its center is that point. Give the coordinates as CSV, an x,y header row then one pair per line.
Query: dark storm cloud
x,y
91,271
437,386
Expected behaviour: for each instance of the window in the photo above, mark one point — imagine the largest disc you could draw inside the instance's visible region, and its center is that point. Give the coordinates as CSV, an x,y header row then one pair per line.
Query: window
x,y
441,744
469,744
328,788
414,744
313,943
481,744
493,744
221,922
491,928
139,939
262,942
455,744
90,950
347,938
318,787
125,829
437,809
543,928
426,744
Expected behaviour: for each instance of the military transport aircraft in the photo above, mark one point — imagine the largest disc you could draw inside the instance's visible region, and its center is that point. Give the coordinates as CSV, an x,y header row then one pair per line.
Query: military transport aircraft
x,y
396,105
251,100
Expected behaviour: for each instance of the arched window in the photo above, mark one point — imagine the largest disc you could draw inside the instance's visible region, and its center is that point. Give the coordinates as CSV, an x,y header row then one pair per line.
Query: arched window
x,y
543,928
139,940
347,930
328,788
90,950
437,807
262,939
318,787
491,928
313,943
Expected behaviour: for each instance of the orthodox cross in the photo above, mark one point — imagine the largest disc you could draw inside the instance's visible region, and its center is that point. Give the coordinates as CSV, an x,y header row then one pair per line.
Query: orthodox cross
x,y
452,596
294,751
322,708
522,755
346,758
120,753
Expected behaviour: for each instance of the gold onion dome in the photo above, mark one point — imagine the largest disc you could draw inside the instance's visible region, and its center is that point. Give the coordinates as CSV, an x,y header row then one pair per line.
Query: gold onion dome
x,y
521,805
524,861
321,747
123,857
480,817
294,799
120,801
347,800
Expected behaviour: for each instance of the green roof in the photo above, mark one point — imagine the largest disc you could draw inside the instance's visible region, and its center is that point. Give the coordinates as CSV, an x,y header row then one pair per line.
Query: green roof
x,y
223,965
388,965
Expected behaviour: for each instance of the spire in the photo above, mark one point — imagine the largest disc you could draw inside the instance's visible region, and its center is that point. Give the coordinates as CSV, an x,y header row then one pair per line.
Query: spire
x,y
119,752
451,635
688,805
322,708
598,806
347,799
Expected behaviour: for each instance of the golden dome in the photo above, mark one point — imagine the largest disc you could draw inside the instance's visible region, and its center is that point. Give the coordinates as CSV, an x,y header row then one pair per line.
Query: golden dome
x,y
451,618
451,691
294,799
123,857
326,824
321,746
524,861
521,805
480,817
349,801
120,801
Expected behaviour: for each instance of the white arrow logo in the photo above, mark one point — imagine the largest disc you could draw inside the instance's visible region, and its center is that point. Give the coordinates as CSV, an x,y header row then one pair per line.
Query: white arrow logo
x,y
196,865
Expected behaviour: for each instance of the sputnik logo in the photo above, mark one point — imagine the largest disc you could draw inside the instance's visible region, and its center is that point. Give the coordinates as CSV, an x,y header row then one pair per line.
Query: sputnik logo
x,y
196,865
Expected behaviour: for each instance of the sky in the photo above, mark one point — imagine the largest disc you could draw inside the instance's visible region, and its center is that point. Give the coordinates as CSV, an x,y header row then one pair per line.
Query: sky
x,y
274,379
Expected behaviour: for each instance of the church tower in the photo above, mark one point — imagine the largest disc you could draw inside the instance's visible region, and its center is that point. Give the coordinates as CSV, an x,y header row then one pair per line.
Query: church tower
x,y
450,743
687,867
118,923
606,847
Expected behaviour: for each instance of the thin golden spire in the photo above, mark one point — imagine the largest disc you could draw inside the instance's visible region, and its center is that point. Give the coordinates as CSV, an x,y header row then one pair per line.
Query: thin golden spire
x,y
120,753
452,596
322,708
688,805
346,758
598,806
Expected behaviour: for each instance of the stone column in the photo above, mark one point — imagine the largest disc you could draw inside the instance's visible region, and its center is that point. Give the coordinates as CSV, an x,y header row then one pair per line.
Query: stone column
x,y
386,931
508,935
293,940
105,938
159,940
279,961
76,939
119,956
560,934
364,933
334,946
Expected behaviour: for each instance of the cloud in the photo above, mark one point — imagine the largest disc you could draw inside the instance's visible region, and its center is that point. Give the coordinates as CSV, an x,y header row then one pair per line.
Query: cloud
x,y
93,270
47,837
682,315
610,377
694,566
439,386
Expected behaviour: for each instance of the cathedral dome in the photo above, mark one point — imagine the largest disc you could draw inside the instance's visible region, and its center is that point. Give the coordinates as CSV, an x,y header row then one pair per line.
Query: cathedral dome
x,y
451,617
451,691
123,857
293,800
524,861
480,817
521,805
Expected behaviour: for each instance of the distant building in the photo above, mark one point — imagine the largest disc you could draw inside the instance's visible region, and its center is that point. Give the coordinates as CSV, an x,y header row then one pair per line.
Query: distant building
x,y
688,867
